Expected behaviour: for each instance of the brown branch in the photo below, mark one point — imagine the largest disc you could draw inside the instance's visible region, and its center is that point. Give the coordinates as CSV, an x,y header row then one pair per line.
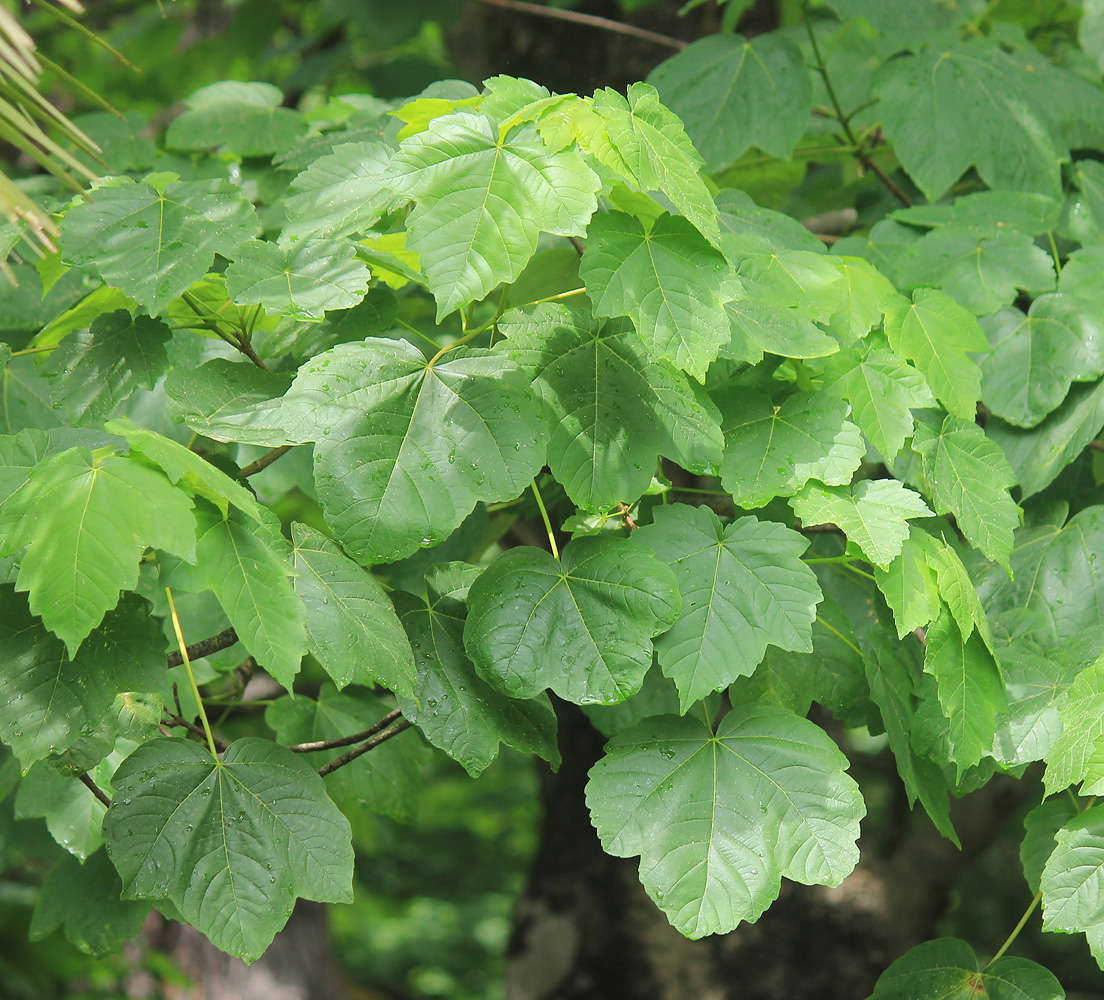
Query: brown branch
x,y
95,790
265,460
618,27
374,742
625,514
1096,445
205,647
348,741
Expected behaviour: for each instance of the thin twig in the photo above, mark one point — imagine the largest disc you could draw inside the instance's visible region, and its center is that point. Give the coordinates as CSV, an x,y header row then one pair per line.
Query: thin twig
x,y
179,721
265,460
374,742
348,741
625,514
95,790
618,27
205,647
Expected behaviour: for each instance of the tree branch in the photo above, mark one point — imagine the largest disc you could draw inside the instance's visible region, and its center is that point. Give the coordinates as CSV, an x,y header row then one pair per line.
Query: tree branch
x,y
374,742
205,647
265,460
95,790
348,741
618,27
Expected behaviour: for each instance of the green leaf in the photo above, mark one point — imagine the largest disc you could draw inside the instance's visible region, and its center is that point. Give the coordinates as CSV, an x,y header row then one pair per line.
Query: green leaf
x,y
230,842
1036,357
245,118
1036,684
946,109
743,587
865,292
657,696
24,394
585,370
88,518
406,450
452,705
908,583
668,280
155,242
95,370
85,899
757,327
228,401
1082,716
352,628
988,213
809,283
971,690
341,194
248,571
47,700
718,820
969,477
935,333
1073,880
873,514
580,625
303,281
19,454
882,390
387,780
957,590
981,273
73,815
97,303
645,143
734,93
773,451
947,968
1040,827
906,24
481,201
747,228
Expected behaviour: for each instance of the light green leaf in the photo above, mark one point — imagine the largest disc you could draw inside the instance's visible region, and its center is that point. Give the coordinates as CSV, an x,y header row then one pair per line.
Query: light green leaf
x,y
957,590
230,842
719,820
1036,356
1040,827
908,583
245,118
946,109
73,815
645,143
757,327
1073,880
734,93
47,700
748,228
581,625
935,333
988,213
743,587
970,478
304,280
404,451
95,370
668,280
971,690
809,283
155,242
387,780
873,514
85,899
773,451
352,628
99,302
908,24
601,450
1036,685
19,454
452,705
864,293
1082,716
481,201
948,969
341,194
87,520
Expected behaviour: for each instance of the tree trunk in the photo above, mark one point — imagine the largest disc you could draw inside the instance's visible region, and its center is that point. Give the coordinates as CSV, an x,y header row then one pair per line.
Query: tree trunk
x,y
585,929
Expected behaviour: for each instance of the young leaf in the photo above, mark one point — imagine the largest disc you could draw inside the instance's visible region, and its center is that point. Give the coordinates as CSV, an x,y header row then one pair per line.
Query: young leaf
x,y
585,370
908,583
246,118
230,842
1082,715
935,333
743,587
404,450
773,451
719,820
481,201
970,478
304,280
1073,880
734,93
873,514
154,240
668,280
581,625
87,519
1040,827
352,628
95,370
452,705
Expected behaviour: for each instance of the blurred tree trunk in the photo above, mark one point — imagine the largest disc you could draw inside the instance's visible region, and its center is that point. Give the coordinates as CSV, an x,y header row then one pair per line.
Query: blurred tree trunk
x,y
585,930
